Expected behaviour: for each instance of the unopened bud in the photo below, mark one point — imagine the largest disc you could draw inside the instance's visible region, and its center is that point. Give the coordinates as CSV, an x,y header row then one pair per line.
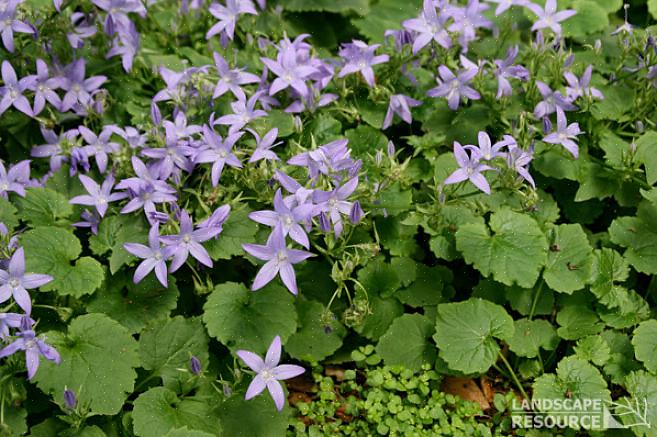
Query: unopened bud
x,y
69,399
195,365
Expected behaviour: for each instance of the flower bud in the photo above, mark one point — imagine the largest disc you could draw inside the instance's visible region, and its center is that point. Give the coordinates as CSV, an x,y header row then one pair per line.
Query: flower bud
x,y
324,224
195,365
356,213
69,399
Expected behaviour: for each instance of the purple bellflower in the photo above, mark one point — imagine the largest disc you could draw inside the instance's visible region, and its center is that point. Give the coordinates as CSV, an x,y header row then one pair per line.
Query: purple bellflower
x,y
125,44
264,146
280,260
9,24
53,148
581,87
33,346
44,88
243,112
289,72
99,195
189,241
505,70
269,372
328,159
400,105
503,5
231,79
454,87
83,27
428,27
518,160
488,152
218,152
551,101
12,91
9,320
334,203
466,20
549,17
90,220
227,16
117,13
78,89
565,134
288,218
360,57
216,220
154,257
99,146
470,168
15,179
15,282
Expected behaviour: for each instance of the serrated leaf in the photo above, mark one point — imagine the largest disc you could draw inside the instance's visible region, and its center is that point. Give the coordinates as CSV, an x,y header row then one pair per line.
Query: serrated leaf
x,y
98,358
619,100
386,14
426,290
135,305
530,335
594,349
569,259
577,321
159,411
407,342
398,238
381,315
364,140
645,344
244,319
639,235
621,361
515,252
452,217
466,334
646,145
44,207
608,267
54,251
379,278
263,419
186,432
8,214
317,337
590,18
113,232
237,229
166,346
641,414
575,380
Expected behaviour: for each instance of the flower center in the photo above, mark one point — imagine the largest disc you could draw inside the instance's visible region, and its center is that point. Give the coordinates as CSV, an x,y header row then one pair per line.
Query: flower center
x,y
266,375
187,239
282,256
14,283
158,256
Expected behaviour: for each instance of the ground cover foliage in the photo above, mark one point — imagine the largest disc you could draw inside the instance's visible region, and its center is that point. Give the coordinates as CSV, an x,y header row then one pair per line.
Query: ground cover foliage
x,y
203,202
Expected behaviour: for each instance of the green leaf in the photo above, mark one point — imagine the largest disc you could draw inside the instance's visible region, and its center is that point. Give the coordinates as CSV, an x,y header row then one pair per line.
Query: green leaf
x,y
395,200
619,100
576,380
318,336
52,251
594,349
8,214
366,140
386,14
244,319
135,305
44,207
443,245
381,315
15,421
98,357
590,18
398,238
569,259
652,8
237,230
514,253
276,118
646,146
159,411
642,387
253,418
113,232
611,6
379,278
639,235
186,432
577,321
406,342
645,344
427,289
621,361
608,267
530,335
166,346
359,6
466,333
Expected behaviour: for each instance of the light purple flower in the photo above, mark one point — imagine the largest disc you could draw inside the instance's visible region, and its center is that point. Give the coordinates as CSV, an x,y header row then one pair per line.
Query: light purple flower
x,y
264,146
15,282
519,160
216,220
15,179
280,260
503,5
565,134
125,44
505,70
427,27
469,168
154,257
400,105
287,217
328,159
44,88
488,152
581,87
117,13
360,57
33,346
467,20
99,146
269,372
219,152
53,148
334,203
243,112
90,220
145,195
454,88
9,24
78,89
231,79
99,195
189,241
227,16
12,91
551,101
549,17
83,27
289,72
9,320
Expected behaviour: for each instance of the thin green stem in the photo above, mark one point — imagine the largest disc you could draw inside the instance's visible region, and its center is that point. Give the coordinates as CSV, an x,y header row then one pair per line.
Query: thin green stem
x,y
514,376
536,297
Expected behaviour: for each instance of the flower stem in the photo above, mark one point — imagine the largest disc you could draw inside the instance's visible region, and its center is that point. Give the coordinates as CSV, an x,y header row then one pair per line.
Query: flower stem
x,y
514,376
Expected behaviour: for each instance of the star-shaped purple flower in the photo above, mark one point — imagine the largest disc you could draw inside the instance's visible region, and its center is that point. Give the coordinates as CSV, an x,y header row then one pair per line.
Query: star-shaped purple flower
x,y
469,168
231,79
360,57
428,27
549,17
33,346
9,24
99,195
551,101
334,203
287,217
565,134
219,152
269,372
454,87
15,179
12,91
505,70
154,257
227,16
581,87
15,282
264,146
189,241
400,105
